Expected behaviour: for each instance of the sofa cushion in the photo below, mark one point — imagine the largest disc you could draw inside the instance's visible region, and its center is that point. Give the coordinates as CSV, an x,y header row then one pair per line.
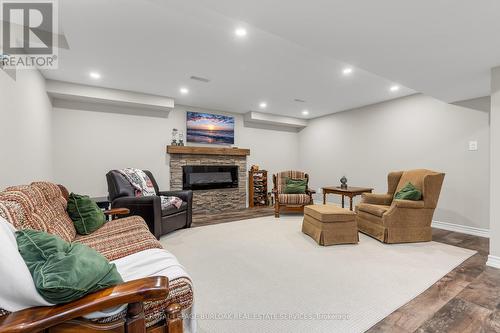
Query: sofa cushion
x,y
294,199
171,209
17,290
377,210
62,271
85,214
295,186
121,237
39,206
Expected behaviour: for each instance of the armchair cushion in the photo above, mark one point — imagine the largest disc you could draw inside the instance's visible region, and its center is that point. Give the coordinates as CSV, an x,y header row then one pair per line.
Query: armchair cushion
x,y
377,210
295,186
62,271
408,192
377,199
294,199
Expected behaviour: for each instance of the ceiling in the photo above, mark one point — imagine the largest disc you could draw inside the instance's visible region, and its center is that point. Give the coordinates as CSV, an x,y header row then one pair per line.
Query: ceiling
x,y
292,50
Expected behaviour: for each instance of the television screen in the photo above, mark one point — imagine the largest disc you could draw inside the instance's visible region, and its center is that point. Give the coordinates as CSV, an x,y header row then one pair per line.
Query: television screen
x,y
209,128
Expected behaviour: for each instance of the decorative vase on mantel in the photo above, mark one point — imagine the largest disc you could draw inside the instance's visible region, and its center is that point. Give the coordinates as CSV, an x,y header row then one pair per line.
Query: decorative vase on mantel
x,y
174,137
343,182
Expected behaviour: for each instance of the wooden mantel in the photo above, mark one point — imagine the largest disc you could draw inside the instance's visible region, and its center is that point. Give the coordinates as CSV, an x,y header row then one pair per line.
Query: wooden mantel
x,y
207,151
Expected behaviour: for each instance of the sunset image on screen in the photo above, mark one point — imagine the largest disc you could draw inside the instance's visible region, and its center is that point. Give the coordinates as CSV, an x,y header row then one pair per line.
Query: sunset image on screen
x,y
210,128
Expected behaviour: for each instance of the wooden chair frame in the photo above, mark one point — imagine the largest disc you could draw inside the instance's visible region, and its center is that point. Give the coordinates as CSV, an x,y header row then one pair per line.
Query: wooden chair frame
x,y
278,208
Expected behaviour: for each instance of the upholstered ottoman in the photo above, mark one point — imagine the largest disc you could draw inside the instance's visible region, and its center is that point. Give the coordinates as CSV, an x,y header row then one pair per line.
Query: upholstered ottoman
x,y
330,225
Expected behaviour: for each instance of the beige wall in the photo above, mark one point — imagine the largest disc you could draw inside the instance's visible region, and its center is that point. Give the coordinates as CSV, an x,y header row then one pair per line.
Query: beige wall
x,y
87,144
495,169
412,132
25,127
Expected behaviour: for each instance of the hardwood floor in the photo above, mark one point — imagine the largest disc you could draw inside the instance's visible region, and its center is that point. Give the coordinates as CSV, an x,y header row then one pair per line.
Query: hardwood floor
x,y
465,300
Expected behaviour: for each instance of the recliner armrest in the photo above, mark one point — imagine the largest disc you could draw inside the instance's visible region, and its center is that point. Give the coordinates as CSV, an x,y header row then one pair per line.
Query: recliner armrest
x,y
408,204
376,199
124,201
183,195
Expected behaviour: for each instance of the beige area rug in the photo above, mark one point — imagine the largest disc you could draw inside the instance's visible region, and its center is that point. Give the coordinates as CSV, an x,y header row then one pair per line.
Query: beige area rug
x,y
264,275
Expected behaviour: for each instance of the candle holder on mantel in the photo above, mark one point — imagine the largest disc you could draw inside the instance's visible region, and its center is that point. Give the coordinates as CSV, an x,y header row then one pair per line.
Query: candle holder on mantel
x,y
174,137
181,138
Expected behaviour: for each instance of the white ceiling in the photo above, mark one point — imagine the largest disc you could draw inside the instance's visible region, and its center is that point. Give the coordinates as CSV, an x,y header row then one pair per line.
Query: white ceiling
x,y
291,50
443,48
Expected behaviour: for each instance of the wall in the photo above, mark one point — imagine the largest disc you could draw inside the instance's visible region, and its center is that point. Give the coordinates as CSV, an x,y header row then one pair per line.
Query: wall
x,y
494,257
480,104
87,144
412,132
25,127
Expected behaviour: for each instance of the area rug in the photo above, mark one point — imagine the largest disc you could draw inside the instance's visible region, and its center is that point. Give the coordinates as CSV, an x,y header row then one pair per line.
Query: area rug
x,y
264,275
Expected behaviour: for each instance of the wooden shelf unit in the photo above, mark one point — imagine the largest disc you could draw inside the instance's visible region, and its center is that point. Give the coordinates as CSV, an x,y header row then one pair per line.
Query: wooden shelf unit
x,y
257,188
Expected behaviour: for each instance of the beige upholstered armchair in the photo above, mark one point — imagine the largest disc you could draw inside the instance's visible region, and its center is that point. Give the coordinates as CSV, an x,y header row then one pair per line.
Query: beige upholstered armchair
x,y
401,221
290,202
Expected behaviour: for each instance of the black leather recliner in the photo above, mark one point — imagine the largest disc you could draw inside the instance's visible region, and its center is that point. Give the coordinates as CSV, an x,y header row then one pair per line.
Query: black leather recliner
x,y
160,221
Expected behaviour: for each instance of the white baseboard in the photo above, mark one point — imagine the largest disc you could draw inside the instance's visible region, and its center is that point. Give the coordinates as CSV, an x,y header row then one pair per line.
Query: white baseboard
x,y
493,261
462,229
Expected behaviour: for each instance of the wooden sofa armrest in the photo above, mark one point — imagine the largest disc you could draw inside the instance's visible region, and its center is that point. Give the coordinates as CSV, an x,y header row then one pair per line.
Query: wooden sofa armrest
x,y
310,191
117,211
40,318
376,199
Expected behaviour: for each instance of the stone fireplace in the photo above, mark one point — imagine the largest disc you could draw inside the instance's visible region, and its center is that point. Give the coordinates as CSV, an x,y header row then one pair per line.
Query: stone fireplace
x,y
230,193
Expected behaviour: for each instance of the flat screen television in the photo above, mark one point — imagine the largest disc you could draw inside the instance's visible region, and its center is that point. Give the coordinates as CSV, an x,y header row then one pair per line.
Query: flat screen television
x,y
209,128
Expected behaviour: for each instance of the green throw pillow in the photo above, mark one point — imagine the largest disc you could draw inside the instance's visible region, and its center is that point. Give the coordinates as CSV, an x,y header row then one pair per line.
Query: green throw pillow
x,y
408,192
86,215
62,271
295,186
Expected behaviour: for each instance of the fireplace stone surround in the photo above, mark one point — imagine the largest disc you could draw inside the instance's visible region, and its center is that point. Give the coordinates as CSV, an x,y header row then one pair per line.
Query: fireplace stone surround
x,y
211,201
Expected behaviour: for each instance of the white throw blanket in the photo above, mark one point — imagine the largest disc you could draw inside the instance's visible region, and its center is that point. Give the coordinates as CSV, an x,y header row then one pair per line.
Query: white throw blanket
x,y
156,262
144,187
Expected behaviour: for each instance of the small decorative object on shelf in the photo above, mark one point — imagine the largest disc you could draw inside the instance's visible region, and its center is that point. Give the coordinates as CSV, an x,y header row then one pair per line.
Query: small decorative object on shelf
x,y
174,137
181,138
343,182
254,167
257,188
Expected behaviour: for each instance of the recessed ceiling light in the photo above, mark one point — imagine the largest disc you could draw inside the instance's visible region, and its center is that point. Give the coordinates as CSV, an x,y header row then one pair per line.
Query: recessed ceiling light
x,y
305,112
184,90
263,105
240,32
394,88
347,71
95,75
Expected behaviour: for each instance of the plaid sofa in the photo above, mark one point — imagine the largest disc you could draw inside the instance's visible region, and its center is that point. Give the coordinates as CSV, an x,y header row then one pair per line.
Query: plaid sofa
x,y
41,206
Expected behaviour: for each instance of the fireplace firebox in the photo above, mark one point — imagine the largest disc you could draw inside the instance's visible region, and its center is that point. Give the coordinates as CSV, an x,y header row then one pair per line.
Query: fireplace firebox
x,y
204,177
